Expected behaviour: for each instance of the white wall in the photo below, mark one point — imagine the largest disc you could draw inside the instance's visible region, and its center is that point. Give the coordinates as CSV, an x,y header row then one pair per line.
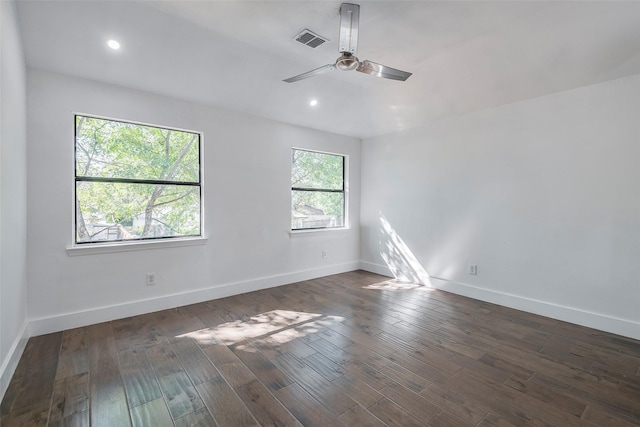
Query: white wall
x,y
543,195
247,209
13,202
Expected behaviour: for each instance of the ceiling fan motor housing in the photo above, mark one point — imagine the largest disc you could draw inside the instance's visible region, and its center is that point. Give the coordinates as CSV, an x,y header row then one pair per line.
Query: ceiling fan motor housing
x,y
347,62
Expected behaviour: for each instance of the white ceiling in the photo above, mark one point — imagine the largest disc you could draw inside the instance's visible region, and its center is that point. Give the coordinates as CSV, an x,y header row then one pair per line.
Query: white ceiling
x,y
464,56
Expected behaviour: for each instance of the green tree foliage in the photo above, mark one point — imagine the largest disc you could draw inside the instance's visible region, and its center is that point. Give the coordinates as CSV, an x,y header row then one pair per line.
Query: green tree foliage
x,y
135,181
317,189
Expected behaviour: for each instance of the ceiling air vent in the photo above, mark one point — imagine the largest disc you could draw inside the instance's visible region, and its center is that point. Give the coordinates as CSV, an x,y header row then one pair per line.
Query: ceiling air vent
x,y
310,38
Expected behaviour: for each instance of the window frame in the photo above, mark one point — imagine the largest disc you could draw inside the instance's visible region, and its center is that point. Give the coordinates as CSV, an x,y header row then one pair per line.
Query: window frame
x,y
344,191
104,246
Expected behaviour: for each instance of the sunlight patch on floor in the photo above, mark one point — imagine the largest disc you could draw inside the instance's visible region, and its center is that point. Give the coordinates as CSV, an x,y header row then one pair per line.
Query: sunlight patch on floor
x,y
395,285
277,326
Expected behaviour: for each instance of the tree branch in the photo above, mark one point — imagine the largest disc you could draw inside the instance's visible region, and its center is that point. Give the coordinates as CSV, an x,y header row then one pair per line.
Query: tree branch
x,y
174,200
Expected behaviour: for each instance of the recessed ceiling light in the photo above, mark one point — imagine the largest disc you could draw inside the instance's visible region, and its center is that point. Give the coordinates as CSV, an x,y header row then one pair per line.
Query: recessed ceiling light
x,y
113,44
313,102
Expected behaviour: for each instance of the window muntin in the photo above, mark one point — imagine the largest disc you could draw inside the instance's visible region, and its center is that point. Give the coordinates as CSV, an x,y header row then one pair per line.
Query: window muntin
x,y
317,190
135,182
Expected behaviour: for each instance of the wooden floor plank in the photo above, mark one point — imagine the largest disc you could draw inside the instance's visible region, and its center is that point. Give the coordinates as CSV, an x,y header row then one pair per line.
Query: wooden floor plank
x,y
36,374
393,415
266,409
360,417
35,415
201,370
108,399
411,402
461,407
74,353
201,418
317,386
547,395
223,403
355,349
332,352
305,408
139,378
70,400
405,377
445,419
272,377
181,395
324,366
236,373
367,374
493,421
358,390
599,417
153,413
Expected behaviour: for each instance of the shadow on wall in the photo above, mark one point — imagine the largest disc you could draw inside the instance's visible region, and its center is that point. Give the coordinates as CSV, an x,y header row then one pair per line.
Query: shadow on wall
x,y
399,259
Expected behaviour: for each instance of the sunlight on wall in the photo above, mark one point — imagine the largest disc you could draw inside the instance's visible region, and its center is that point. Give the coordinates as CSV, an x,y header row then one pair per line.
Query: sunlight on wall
x,y
276,326
396,254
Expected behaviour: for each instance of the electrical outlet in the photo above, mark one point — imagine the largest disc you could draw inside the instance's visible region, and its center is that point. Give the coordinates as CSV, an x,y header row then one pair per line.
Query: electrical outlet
x,y
151,279
473,269
324,254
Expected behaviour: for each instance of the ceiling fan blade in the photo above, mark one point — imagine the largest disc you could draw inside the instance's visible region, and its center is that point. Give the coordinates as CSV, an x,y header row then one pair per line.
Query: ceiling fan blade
x,y
349,20
312,73
380,70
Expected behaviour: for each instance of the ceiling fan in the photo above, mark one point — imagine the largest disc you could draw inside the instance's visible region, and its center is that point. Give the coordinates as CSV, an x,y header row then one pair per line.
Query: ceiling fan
x,y
348,47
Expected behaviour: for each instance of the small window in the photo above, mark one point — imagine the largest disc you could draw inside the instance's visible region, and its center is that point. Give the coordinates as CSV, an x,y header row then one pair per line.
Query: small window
x,y
317,190
135,182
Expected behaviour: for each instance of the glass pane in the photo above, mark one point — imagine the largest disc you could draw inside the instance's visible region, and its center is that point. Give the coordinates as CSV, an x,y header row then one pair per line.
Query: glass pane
x,y
118,211
316,170
110,149
316,209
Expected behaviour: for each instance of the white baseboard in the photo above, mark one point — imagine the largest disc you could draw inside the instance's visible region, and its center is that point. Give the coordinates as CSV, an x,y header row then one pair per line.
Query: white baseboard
x,y
104,314
624,327
10,363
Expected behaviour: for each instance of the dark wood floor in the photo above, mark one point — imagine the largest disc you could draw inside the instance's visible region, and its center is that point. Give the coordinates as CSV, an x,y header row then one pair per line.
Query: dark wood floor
x,y
353,349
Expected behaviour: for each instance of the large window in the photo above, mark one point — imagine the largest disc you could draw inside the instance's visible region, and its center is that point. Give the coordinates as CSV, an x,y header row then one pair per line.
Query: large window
x,y
317,190
135,181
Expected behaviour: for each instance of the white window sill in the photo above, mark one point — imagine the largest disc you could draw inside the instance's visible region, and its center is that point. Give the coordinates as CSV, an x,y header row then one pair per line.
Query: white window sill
x,y
105,248
318,232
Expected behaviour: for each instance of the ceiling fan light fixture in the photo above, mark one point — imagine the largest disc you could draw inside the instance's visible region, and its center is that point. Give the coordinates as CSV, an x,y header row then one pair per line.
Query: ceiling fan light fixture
x,y
347,62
